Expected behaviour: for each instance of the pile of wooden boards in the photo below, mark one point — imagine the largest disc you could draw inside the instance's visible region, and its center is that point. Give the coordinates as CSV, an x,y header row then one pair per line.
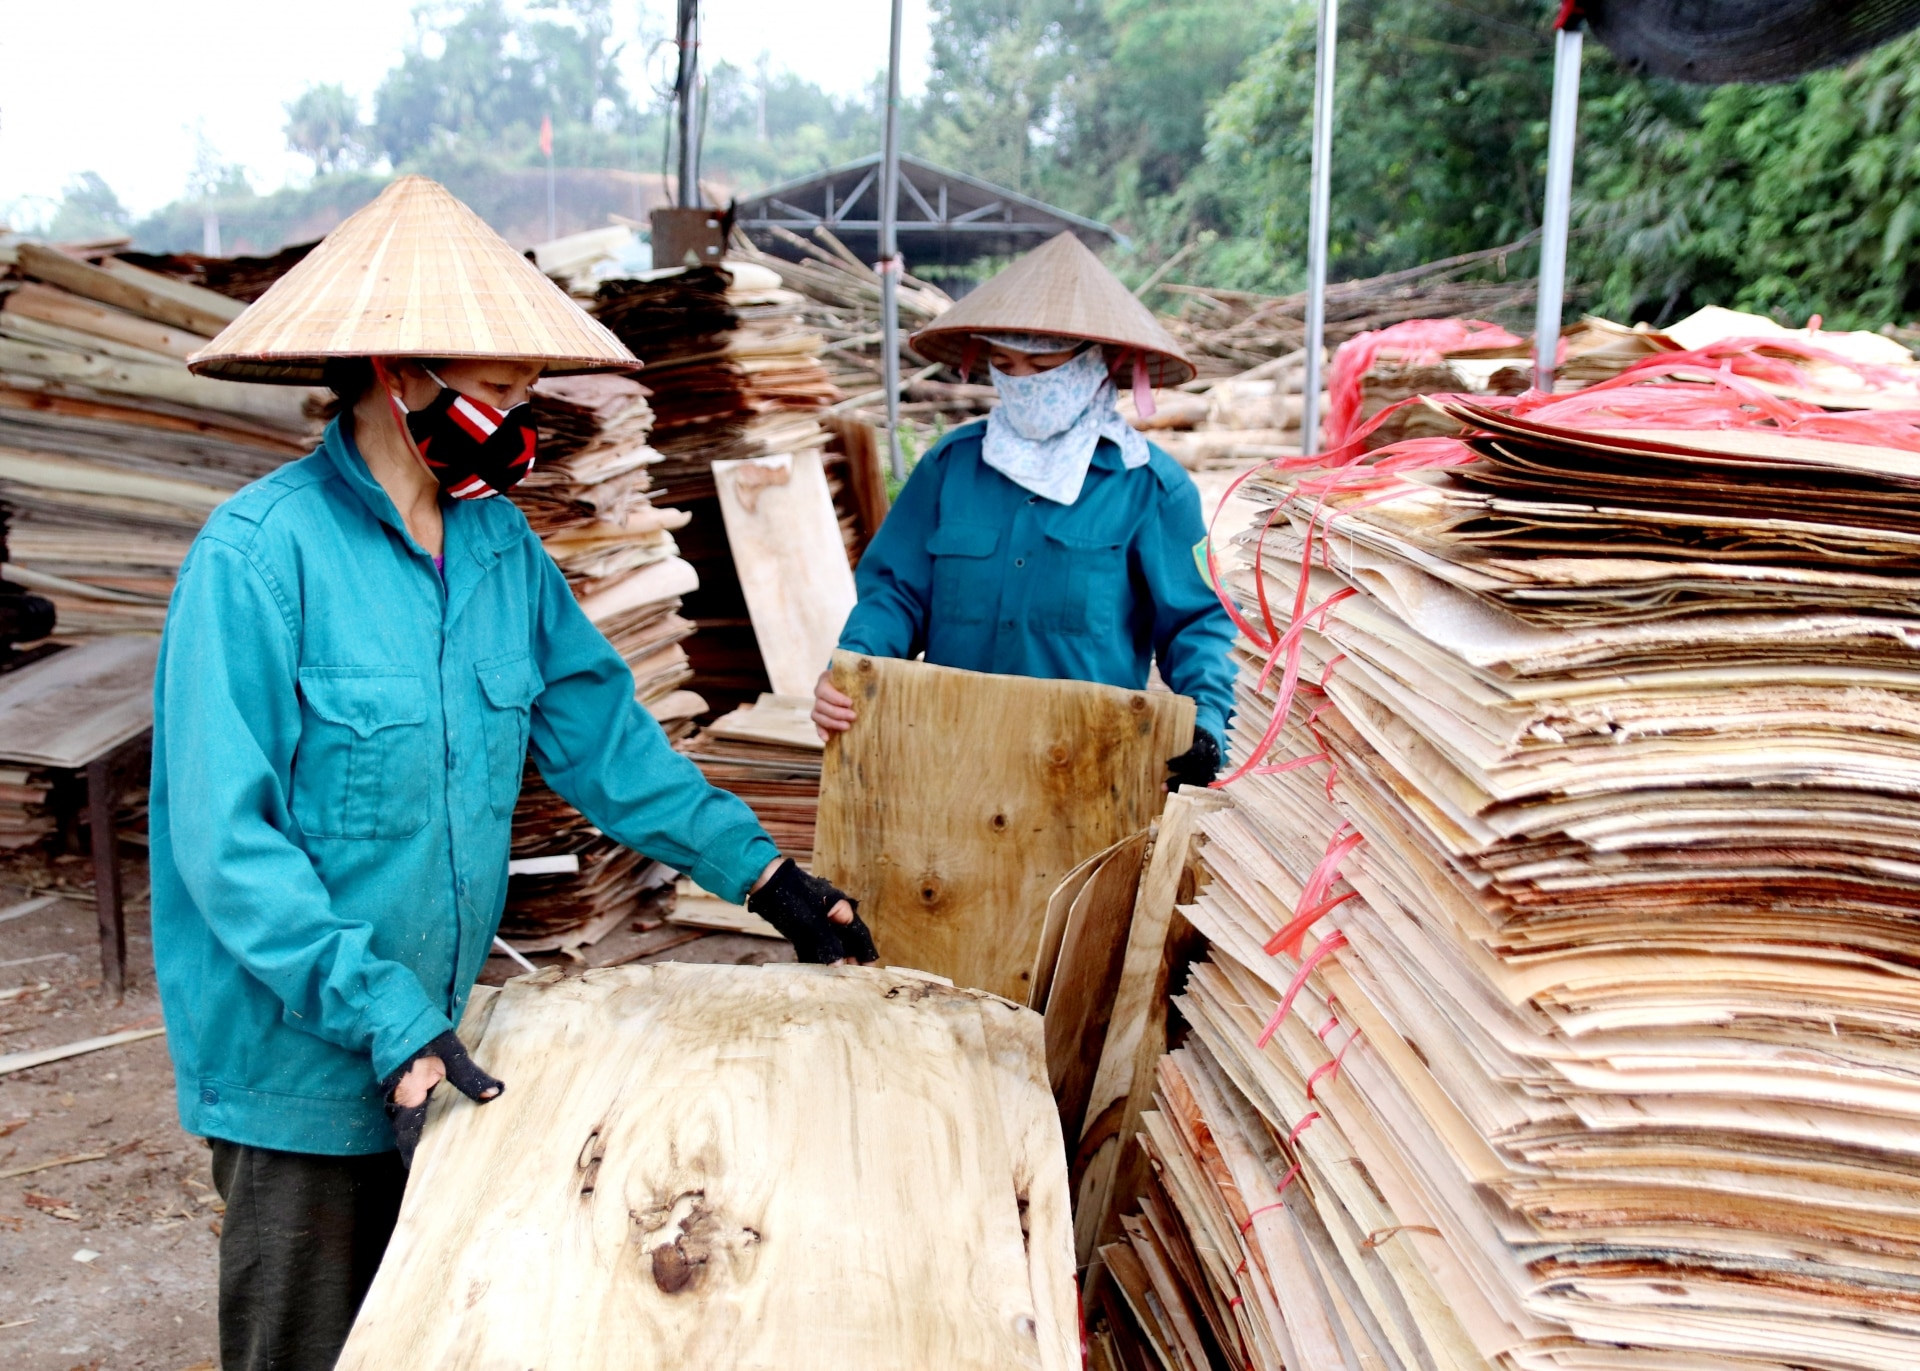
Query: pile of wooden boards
x,y
1562,994
768,753
816,1168
589,500
736,376
112,454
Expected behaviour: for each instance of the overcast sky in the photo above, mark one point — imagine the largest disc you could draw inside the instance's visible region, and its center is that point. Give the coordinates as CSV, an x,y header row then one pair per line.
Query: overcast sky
x,y
134,89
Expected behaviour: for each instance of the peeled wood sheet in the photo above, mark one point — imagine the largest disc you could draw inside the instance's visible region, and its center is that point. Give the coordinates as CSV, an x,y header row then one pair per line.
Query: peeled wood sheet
x,y
779,1167
791,562
958,801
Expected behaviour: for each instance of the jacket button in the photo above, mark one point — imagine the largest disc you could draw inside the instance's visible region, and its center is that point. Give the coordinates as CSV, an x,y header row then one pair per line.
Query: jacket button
x,y
1019,561
208,1095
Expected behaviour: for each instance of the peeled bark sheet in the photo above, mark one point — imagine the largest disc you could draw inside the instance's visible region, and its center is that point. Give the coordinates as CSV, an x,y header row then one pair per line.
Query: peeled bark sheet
x,y
736,1167
959,800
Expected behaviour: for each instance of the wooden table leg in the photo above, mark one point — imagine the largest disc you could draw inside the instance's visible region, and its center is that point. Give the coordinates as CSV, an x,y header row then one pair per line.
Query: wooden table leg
x,y
103,794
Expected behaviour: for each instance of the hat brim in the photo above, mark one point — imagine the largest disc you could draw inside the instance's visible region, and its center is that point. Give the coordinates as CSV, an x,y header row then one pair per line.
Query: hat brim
x,y
952,346
309,369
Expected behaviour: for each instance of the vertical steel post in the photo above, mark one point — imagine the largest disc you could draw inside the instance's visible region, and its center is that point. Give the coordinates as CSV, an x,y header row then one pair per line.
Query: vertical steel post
x,y
890,264
1559,210
687,88
1319,211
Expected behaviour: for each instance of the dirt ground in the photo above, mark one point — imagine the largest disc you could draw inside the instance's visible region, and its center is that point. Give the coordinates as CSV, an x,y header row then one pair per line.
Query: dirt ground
x,y
108,1264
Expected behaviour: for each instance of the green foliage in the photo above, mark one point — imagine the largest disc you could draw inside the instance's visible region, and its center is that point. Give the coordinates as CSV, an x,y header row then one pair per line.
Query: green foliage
x,y
323,125
1101,106
88,210
1790,200
1439,138
486,74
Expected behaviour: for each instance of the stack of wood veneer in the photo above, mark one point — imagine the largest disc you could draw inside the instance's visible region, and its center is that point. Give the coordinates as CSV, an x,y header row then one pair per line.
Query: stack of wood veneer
x,y
112,454
1562,1000
589,499
736,375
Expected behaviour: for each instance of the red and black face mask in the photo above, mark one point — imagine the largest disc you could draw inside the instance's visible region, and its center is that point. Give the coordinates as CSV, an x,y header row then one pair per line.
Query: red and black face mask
x,y
474,450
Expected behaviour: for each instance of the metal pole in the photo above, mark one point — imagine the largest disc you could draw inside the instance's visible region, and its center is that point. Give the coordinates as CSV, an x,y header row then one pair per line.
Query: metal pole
x,y
687,88
890,264
1553,227
1319,211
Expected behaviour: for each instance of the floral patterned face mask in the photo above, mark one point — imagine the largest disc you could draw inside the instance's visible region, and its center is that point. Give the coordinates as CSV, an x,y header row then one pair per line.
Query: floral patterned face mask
x,y
1044,432
1048,403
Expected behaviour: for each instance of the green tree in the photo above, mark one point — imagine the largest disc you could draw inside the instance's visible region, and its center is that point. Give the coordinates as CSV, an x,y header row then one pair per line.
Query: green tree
x,y
88,209
324,126
1793,199
485,75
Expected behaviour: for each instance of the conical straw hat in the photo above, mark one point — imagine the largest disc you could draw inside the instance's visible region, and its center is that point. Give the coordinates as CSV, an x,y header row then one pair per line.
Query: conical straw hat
x,y
1059,287
414,274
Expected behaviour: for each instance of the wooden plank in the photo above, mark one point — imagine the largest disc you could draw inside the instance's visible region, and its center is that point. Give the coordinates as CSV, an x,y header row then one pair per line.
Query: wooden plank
x,y
791,561
51,305
67,709
801,1167
1123,1085
1053,932
958,800
26,1061
128,288
696,908
1092,951
285,408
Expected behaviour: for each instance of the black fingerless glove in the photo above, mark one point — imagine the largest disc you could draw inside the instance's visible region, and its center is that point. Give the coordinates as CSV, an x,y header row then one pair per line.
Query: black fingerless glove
x,y
796,904
462,1074
1198,765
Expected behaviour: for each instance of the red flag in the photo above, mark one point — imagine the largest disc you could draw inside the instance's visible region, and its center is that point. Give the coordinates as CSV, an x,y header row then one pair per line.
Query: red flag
x,y
546,135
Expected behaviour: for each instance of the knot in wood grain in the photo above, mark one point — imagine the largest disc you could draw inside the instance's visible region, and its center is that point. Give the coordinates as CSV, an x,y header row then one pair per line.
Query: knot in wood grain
x,y
591,1154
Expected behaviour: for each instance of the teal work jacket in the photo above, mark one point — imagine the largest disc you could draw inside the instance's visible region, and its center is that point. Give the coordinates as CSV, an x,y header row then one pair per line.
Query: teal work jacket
x,y
982,574
339,738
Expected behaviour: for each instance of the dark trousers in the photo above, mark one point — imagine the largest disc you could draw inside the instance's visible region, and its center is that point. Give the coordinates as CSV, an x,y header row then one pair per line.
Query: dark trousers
x,y
300,1241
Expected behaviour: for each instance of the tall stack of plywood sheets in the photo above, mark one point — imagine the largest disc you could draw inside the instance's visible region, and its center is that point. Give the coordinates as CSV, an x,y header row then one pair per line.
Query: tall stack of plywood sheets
x,y
816,1168
1562,1000
112,454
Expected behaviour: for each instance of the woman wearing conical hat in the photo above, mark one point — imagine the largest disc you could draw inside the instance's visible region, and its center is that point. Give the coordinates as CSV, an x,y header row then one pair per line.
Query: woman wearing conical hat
x,y
360,651
1050,539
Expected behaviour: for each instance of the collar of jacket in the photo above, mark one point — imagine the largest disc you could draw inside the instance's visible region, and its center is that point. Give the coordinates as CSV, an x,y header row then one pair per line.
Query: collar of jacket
x,y
468,524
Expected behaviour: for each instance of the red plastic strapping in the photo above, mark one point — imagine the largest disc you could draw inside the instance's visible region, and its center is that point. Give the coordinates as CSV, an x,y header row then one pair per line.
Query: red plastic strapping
x,y
1253,1214
1313,902
1331,944
1287,1179
1330,1068
1301,1127
1293,765
1333,1022
1288,939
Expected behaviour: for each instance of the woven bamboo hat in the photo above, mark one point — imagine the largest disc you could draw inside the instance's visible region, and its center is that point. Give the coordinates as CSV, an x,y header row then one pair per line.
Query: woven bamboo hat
x,y
414,274
1058,288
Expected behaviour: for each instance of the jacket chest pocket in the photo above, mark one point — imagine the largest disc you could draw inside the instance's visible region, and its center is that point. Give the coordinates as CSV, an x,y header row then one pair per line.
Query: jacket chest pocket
x,y
364,766
1081,585
509,685
962,592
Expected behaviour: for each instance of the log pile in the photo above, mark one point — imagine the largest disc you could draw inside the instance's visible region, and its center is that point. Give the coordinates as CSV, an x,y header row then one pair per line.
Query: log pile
x,y
589,500
1561,990
112,454
1229,331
